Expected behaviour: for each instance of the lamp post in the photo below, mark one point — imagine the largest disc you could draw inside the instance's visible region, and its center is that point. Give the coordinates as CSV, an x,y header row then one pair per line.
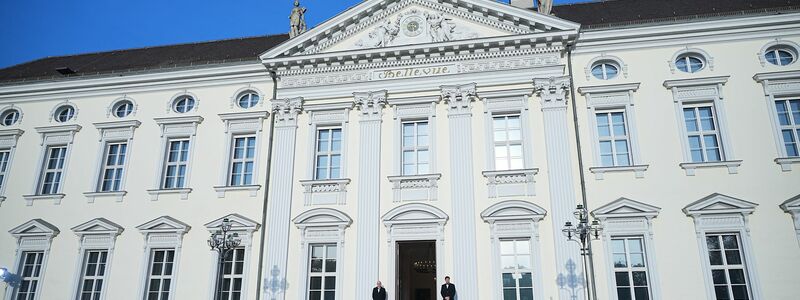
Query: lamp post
x,y
583,233
223,241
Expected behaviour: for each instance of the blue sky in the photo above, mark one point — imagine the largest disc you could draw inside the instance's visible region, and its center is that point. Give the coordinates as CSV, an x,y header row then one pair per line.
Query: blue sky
x,y
32,29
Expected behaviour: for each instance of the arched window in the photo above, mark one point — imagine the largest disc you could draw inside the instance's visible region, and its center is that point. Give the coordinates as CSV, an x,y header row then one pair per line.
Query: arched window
x,y
248,99
183,104
10,117
123,108
605,70
780,55
64,113
690,62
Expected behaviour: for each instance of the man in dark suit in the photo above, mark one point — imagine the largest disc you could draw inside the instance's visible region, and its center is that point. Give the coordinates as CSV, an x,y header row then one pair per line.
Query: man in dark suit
x,y
448,289
379,293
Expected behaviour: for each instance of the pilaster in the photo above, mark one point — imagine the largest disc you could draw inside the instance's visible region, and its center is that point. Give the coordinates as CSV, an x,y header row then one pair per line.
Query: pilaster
x,y
553,94
370,106
280,199
459,112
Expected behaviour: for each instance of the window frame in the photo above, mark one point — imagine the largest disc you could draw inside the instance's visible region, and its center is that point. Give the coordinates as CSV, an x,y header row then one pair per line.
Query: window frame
x,y
725,267
117,132
516,255
415,148
417,111
626,218
52,136
184,145
237,125
329,153
630,269
706,59
322,117
775,89
249,94
778,44
71,109
316,233
235,258
59,170
5,113
794,127
245,228
244,160
161,278
33,236
613,138
95,235
508,143
123,103
83,277
8,143
324,275
603,65
163,233
703,133
173,129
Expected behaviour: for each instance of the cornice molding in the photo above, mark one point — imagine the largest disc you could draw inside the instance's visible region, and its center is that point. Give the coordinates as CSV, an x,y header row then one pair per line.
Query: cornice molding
x,y
696,81
612,88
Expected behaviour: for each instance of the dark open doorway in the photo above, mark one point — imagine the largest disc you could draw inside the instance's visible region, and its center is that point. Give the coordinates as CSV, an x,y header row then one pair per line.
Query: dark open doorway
x,y
416,270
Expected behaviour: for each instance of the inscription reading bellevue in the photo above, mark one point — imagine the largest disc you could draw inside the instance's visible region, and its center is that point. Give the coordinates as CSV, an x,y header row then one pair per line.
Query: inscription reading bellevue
x,y
413,72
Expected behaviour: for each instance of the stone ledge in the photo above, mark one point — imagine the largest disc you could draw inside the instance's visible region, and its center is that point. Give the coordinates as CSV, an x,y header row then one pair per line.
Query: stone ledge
x,y
599,172
732,165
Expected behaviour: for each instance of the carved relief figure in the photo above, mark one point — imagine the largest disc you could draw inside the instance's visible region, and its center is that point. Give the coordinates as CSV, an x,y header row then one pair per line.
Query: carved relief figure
x,y
382,36
441,27
297,20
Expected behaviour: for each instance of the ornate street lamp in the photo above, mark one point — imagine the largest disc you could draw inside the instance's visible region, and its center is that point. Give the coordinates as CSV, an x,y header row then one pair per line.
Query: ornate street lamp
x,y
223,241
583,233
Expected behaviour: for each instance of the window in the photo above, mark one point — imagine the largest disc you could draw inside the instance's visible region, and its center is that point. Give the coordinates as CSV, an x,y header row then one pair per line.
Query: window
x,y
92,275
690,62
177,162
52,170
780,55
248,100
507,142
64,113
183,104
605,70
789,122
727,267
5,155
10,117
232,275
242,161
30,271
630,269
416,148
160,272
113,167
322,275
123,108
515,258
703,134
329,154
612,134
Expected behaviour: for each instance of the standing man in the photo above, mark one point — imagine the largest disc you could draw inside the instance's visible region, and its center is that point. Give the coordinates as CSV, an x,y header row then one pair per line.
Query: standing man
x,y
379,293
448,289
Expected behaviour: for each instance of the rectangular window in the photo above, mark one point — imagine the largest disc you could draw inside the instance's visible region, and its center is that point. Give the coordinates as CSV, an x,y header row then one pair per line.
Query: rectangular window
x,y
416,148
507,142
30,272
727,266
52,170
328,155
612,134
232,275
789,121
92,275
5,154
703,133
160,276
113,167
517,274
322,275
630,269
176,165
243,157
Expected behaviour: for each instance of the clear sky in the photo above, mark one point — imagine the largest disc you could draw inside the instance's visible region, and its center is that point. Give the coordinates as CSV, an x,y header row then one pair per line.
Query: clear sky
x,y
32,29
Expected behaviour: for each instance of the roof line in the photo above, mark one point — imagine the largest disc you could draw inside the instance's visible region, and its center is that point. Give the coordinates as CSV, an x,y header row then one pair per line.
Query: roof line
x,y
764,11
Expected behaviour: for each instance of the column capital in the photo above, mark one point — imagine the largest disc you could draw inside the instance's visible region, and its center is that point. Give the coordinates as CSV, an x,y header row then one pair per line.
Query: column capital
x,y
553,91
459,98
286,110
370,104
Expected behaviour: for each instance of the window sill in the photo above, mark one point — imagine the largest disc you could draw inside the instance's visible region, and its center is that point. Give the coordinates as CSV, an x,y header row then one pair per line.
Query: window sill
x,y
599,172
56,198
423,187
732,165
91,196
511,182
253,189
329,191
184,193
787,162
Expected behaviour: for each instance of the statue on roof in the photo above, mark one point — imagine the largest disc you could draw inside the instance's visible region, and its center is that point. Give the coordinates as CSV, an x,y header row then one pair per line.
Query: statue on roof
x,y
297,20
545,7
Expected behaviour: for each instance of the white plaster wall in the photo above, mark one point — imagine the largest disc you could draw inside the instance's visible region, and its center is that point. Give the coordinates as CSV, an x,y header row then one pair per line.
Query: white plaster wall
x,y
202,206
666,185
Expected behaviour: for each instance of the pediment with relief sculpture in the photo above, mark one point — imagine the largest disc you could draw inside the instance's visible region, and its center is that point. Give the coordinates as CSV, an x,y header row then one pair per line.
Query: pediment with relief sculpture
x,y
375,24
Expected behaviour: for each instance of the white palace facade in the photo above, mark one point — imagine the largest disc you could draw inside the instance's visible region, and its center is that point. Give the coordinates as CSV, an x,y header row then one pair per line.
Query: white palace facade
x,y
409,140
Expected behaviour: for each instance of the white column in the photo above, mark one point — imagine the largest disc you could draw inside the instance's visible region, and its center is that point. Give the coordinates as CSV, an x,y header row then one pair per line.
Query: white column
x,y
280,198
459,112
553,93
371,105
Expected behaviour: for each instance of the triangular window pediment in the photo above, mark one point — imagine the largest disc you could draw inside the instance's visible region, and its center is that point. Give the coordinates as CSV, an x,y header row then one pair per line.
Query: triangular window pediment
x,y
164,224
624,207
238,222
98,226
719,204
35,227
793,204
382,24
